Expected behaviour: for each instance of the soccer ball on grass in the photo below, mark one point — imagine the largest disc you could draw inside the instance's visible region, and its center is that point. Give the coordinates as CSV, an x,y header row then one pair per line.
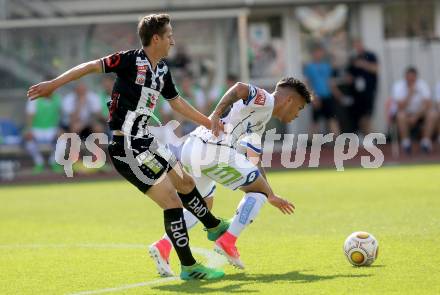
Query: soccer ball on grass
x,y
361,248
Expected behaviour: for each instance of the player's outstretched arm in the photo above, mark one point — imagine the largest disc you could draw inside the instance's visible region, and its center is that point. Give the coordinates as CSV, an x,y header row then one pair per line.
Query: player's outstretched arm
x,y
234,94
45,89
181,106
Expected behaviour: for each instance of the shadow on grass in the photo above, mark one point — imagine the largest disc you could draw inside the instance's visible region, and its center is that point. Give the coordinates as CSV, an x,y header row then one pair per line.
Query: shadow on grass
x,y
236,281
376,266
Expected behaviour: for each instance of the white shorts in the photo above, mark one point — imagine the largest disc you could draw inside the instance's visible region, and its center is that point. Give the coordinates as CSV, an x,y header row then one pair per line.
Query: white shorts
x,y
47,135
205,185
210,163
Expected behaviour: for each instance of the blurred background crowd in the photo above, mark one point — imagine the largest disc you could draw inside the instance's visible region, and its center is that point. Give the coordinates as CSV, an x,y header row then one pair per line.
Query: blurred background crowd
x,y
373,66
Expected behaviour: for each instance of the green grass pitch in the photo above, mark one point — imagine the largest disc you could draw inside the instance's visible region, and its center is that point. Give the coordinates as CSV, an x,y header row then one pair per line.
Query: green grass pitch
x,y
90,238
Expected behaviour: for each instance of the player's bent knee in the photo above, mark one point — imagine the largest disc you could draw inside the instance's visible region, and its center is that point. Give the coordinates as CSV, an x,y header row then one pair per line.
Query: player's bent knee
x,y
171,200
164,194
186,185
181,180
189,183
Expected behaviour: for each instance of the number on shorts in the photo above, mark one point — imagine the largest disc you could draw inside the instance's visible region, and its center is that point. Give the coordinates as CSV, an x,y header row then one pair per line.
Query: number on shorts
x,y
222,174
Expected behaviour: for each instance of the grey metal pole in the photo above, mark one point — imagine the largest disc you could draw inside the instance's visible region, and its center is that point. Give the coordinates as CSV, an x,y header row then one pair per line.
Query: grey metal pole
x,y
243,46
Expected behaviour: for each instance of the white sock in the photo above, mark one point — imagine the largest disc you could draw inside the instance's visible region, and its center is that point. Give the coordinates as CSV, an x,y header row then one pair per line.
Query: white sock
x,y
33,150
247,210
190,221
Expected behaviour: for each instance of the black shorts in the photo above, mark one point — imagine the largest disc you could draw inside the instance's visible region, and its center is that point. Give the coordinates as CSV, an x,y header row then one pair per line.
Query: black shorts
x,y
142,161
326,111
363,105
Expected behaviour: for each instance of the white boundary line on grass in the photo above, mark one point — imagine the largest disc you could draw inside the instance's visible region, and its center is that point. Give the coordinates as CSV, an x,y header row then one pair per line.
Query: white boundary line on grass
x,y
125,287
213,260
81,245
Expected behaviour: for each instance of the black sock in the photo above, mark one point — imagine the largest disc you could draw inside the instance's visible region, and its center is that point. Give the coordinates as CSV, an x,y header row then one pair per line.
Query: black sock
x,y
194,203
175,228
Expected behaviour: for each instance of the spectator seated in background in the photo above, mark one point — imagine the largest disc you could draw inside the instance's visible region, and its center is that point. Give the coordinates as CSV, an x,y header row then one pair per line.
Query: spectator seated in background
x,y
10,140
319,75
9,133
414,109
42,127
81,113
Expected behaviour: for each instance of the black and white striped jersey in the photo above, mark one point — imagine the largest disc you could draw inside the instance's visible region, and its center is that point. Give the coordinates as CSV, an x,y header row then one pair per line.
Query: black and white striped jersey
x,y
136,90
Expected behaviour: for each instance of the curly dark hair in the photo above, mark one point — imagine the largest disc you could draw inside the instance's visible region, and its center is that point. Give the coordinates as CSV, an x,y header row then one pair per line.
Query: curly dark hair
x,y
150,25
296,85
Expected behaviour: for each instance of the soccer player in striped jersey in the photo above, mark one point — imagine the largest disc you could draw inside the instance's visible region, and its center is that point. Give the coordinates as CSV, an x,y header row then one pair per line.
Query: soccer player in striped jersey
x,y
142,77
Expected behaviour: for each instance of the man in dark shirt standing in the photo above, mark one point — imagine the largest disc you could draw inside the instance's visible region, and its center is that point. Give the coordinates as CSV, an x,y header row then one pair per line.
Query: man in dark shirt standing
x,y
142,76
363,72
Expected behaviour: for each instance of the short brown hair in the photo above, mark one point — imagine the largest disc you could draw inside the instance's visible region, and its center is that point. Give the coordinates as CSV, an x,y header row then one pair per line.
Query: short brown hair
x,y
151,25
296,85
411,70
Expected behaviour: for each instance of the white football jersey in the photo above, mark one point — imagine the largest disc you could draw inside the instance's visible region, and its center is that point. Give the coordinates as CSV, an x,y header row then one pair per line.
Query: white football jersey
x,y
245,123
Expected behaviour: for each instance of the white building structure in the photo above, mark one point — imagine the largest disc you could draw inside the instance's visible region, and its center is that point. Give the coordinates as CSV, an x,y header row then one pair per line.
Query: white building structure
x,y
219,35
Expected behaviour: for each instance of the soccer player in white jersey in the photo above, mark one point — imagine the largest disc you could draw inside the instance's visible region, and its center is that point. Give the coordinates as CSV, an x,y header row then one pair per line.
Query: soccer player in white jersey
x,y
232,158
